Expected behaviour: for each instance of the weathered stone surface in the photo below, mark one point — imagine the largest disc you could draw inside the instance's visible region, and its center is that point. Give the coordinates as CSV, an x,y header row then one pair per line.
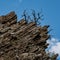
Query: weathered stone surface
x,y
22,40
8,19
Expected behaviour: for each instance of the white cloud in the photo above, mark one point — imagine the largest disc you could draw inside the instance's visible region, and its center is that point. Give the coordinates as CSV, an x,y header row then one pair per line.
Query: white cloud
x,y
54,46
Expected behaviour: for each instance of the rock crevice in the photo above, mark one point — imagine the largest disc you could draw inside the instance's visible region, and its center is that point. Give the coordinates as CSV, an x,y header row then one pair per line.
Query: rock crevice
x,y
22,40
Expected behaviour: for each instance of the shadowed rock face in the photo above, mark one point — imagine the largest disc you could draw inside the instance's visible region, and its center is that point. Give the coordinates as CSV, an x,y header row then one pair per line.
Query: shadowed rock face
x,y
22,40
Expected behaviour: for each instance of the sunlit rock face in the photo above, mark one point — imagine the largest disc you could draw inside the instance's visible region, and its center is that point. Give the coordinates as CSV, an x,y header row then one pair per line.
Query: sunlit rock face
x,y
22,40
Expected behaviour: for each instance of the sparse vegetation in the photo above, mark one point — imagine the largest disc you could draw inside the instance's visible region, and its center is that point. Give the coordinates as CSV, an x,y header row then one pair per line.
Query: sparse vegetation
x,y
21,40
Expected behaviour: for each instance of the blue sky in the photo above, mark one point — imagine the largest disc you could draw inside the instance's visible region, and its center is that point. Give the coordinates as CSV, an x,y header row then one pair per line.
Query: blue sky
x,y
51,11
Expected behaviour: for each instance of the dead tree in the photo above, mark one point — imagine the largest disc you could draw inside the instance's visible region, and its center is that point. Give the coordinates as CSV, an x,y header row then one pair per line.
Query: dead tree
x,y
25,15
37,16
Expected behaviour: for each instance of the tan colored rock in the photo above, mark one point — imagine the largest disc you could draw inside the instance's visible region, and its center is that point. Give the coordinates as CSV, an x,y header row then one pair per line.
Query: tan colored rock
x,y
22,40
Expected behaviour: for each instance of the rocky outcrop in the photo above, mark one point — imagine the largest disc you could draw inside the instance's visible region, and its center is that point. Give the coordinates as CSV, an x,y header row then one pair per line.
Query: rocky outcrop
x,y
22,40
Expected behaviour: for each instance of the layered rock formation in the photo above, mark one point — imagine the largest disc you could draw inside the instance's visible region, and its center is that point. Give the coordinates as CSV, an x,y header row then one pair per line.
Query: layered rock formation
x,y
22,40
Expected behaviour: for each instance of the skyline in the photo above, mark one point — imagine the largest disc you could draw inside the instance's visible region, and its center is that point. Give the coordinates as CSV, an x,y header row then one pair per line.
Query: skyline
x,y
50,10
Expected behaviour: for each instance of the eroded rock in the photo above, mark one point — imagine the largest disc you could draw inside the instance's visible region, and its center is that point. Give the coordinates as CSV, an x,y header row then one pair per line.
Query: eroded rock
x,y
22,40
